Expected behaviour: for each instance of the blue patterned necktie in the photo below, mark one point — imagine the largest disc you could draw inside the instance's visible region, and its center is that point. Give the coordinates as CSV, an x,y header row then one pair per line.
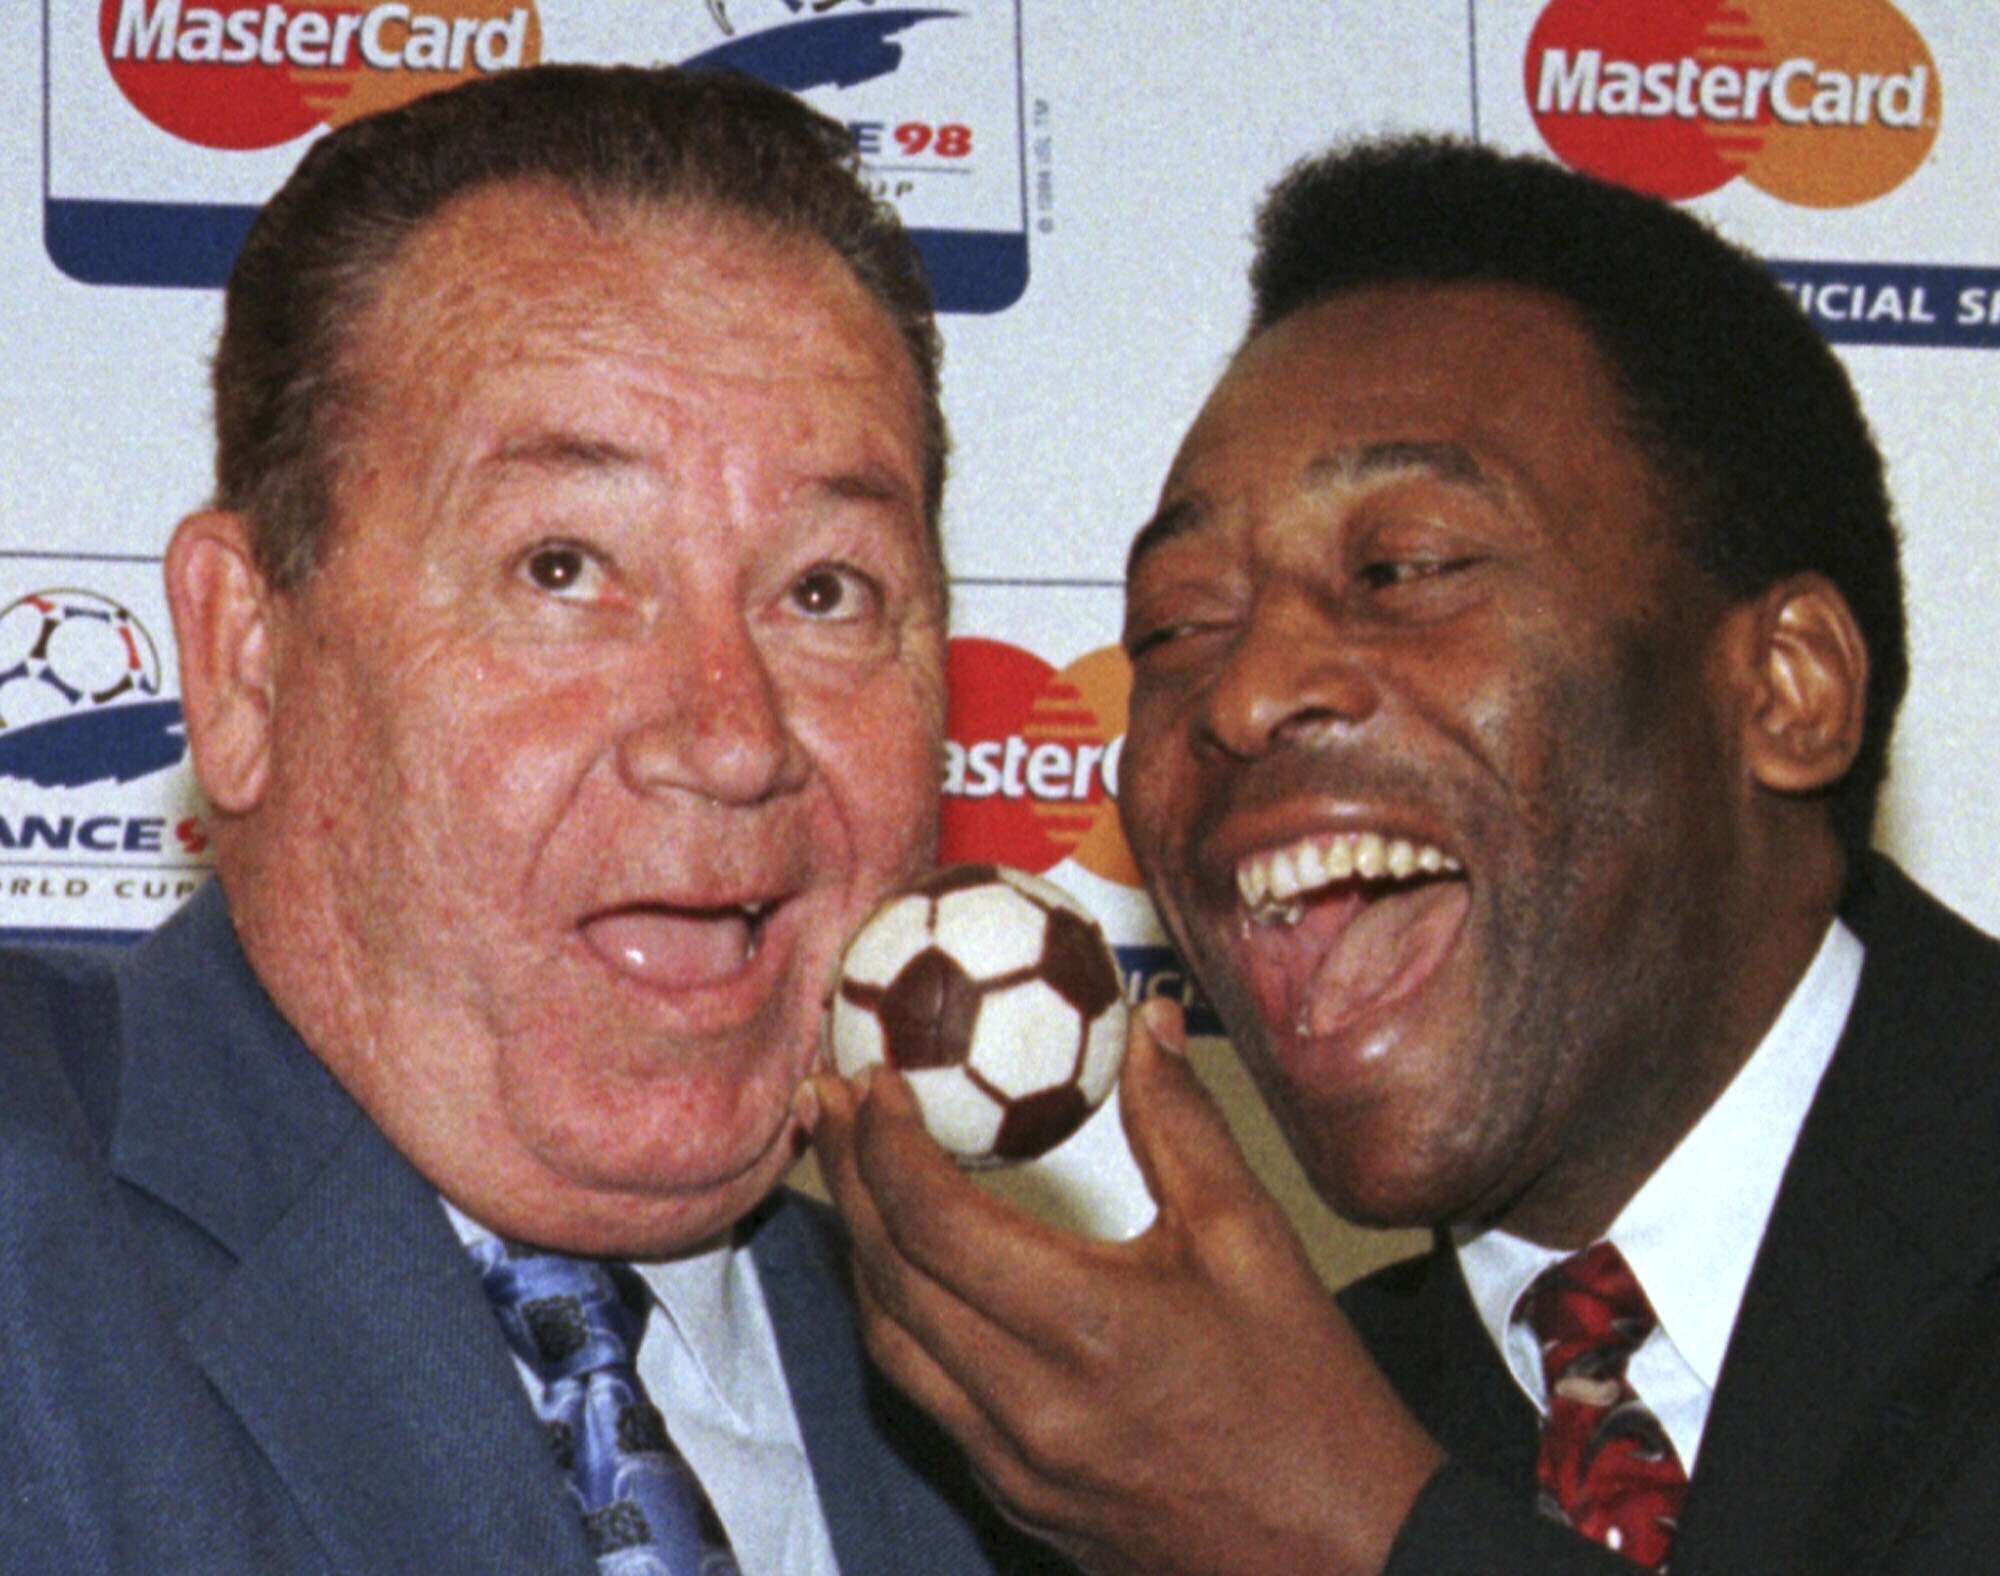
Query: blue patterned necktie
x,y
576,1323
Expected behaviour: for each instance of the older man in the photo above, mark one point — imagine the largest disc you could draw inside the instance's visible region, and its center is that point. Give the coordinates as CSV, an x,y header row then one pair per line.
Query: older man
x,y
562,660
1516,648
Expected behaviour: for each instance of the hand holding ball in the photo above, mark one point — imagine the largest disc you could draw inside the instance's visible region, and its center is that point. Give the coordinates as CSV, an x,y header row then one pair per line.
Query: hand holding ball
x,y
994,993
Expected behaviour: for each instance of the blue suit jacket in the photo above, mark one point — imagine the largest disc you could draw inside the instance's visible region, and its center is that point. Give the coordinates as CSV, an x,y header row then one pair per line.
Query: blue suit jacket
x,y
240,1335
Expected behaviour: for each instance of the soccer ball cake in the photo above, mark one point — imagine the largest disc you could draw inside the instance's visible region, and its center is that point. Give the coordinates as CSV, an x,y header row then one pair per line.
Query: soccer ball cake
x,y
994,993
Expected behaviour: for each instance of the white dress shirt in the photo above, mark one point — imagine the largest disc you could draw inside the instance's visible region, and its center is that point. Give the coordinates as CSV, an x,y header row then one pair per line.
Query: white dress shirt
x,y
709,1360
1691,1233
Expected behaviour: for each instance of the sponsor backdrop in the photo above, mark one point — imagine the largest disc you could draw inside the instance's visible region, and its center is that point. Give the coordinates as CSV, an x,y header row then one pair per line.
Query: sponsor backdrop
x,y
1081,180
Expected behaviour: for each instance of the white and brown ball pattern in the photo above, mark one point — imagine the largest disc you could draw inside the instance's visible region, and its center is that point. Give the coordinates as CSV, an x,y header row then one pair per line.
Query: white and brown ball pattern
x,y
994,993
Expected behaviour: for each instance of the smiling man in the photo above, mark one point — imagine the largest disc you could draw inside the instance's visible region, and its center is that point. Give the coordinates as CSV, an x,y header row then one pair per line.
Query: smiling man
x,y
1516,647
562,663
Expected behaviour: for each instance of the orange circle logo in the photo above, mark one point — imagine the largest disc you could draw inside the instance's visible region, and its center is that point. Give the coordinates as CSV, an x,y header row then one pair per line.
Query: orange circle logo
x,y
1823,103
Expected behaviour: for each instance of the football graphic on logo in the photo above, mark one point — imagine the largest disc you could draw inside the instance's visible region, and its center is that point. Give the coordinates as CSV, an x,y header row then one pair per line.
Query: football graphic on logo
x,y
67,651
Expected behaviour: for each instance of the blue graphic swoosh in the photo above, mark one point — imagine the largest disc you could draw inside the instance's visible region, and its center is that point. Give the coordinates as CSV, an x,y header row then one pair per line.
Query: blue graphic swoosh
x,y
115,743
820,52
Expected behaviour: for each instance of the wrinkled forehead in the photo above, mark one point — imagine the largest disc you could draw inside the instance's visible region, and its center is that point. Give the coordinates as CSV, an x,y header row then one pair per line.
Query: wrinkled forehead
x,y
514,277
1335,469
520,258
524,322
1485,386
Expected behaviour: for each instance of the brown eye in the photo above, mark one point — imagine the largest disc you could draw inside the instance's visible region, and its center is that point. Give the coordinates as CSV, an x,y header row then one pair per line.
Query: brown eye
x,y
1394,572
558,568
1141,642
828,591
1386,574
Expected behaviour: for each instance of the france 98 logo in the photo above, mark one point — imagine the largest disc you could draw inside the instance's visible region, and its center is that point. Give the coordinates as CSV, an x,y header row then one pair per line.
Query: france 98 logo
x,y
253,76
80,693
1821,103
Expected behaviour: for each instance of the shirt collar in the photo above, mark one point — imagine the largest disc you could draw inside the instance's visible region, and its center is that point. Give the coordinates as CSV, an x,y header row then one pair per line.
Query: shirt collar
x,y
1692,1231
696,1299
705,1298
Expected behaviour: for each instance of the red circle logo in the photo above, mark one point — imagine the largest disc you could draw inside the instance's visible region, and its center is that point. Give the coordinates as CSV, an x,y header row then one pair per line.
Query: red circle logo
x,y
1031,759
253,76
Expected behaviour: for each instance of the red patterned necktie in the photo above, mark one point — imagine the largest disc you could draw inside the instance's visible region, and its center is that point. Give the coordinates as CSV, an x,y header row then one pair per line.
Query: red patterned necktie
x,y
1606,1466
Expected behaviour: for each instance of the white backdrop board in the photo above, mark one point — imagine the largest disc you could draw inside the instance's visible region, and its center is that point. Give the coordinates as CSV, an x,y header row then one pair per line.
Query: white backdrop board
x,y
1081,178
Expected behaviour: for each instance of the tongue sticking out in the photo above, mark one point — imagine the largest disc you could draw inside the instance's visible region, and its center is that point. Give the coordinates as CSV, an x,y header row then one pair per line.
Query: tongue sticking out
x,y
1385,951
674,950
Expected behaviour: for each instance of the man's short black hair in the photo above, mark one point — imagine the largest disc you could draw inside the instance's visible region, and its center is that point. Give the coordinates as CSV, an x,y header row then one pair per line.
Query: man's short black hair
x,y
1741,408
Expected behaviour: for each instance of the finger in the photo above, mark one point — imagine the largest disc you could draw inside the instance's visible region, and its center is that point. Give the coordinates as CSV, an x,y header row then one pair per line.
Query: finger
x,y
832,1101
1022,1491
978,1247
953,1331
912,1368
833,1146
1179,1136
999,1426
878,1266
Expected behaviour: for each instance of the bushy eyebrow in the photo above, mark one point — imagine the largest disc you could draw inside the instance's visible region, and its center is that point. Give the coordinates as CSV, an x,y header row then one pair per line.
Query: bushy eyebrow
x,y
1176,519
1441,460
870,484
568,451
582,454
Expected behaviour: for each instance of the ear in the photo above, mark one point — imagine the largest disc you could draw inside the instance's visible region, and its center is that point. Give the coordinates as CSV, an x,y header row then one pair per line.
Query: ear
x,y
221,612
1810,686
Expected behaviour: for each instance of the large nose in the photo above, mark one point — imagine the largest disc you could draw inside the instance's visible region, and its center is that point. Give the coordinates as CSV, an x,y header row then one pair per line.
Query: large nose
x,y
1295,675
718,724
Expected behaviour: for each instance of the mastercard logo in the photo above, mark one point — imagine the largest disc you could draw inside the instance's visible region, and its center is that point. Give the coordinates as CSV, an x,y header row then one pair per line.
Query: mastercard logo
x,y
1822,103
1031,759
254,76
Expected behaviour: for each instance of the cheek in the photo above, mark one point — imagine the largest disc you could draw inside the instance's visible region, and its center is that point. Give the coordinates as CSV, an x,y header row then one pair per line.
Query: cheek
x,y
1612,831
1158,808
1146,779
511,743
475,782
1617,745
880,748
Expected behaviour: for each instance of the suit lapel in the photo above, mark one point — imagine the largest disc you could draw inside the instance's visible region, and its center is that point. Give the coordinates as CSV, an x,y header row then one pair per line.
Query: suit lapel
x,y
1882,1231
378,1385
810,1314
1496,1426
327,1298
1419,1324
896,1494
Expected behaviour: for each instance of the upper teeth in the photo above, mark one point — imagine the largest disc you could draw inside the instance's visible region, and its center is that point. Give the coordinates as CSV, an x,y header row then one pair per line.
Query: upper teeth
x,y
1277,876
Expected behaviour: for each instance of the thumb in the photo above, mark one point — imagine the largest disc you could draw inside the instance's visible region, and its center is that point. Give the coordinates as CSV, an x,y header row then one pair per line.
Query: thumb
x,y
1178,1135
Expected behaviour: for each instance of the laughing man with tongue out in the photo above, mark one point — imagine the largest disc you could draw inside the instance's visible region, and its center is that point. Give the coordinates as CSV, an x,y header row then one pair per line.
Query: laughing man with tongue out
x,y
1516,646
563,664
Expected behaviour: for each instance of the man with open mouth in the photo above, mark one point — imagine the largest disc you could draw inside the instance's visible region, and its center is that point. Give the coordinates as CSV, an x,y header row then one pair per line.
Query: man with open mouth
x,y
1516,646
562,662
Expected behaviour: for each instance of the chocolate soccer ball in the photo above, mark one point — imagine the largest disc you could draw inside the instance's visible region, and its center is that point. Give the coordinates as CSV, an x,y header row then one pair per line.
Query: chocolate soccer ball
x,y
994,993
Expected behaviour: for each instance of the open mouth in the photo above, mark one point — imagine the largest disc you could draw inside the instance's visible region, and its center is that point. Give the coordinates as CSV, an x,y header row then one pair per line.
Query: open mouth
x,y
1346,924
678,948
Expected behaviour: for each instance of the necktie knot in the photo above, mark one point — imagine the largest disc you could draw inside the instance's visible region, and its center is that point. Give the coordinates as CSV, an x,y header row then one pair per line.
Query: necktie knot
x,y
1590,1314
576,1324
563,1317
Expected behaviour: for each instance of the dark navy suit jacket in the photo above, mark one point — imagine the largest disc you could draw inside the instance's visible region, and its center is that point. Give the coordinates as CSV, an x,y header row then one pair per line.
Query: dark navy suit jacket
x,y
1855,1426
239,1334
